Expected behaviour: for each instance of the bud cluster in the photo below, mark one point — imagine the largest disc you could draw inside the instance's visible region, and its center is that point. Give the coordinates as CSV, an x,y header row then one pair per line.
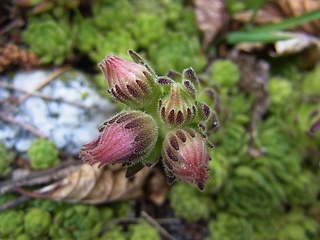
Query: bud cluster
x,y
165,120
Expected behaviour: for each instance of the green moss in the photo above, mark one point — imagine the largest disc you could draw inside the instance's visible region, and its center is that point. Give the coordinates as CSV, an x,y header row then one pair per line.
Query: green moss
x,y
143,230
219,170
188,203
79,222
86,35
310,85
303,190
235,140
37,222
176,51
43,154
6,159
225,73
121,209
117,42
114,233
11,223
249,192
24,236
112,15
147,28
280,91
230,227
49,39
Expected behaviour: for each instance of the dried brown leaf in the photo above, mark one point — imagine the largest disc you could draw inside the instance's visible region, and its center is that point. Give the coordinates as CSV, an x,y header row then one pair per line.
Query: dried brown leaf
x,y
270,13
212,18
101,190
158,188
276,11
90,184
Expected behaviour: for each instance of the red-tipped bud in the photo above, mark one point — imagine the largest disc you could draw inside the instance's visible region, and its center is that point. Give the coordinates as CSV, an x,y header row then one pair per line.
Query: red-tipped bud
x,y
127,138
179,107
186,156
129,82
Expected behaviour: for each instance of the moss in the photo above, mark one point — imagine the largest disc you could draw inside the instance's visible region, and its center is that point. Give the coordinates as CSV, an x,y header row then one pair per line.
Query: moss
x,y
115,233
111,15
6,159
218,174
24,236
11,223
225,73
147,28
143,230
49,39
79,221
117,42
230,227
176,51
249,192
280,91
37,222
43,154
188,203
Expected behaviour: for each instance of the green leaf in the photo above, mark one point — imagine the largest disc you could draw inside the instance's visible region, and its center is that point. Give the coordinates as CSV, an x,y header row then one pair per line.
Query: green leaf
x,y
289,22
263,37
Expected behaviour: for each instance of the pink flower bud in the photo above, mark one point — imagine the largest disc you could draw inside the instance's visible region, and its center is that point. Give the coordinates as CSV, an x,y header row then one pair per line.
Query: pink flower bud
x,y
129,82
179,107
186,156
127,138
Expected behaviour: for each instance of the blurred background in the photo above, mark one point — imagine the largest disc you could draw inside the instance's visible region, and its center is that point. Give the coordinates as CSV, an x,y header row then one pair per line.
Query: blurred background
x,y
259,61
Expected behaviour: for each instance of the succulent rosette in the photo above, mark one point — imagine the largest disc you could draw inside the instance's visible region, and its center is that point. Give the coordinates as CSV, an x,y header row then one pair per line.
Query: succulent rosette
x,y
164,120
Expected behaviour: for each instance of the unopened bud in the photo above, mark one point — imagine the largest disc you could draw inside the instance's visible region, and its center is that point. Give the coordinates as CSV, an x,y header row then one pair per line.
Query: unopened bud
x,y
179,107
186,156
127,138
129,82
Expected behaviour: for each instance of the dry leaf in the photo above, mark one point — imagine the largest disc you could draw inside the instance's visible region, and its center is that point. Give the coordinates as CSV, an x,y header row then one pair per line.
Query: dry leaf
x,y
307,45
296,44
276,11
158,188
212,18
270,13
89,184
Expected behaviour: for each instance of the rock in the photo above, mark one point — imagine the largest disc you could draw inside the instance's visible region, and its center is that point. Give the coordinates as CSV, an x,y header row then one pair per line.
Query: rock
x,y
68,125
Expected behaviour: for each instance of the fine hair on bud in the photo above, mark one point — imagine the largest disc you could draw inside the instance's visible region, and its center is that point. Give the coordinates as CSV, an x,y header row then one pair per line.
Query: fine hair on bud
x,y
126,138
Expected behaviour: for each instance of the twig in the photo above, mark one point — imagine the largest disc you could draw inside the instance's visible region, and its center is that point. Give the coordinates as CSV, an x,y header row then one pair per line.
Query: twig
x,y
48,79
129,220
26,126
14,202
41,177
154,223
39,94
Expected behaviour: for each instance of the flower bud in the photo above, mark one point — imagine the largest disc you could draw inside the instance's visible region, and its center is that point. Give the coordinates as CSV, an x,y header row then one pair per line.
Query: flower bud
x,y
129,82
186,156
178,107
127,138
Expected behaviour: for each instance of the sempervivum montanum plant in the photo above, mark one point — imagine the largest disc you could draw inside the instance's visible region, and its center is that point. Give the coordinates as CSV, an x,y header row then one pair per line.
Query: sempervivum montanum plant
x,y
165,120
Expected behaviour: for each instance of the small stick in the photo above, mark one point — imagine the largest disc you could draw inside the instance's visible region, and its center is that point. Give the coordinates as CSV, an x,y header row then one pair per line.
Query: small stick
x,y
39,94
26,126
48,79
14,202
154,223
41,177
